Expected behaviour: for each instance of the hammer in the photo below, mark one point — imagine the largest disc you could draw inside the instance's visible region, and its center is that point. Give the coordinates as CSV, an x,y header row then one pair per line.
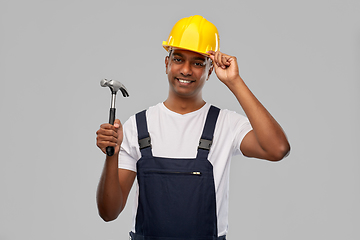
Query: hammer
x,y
114,87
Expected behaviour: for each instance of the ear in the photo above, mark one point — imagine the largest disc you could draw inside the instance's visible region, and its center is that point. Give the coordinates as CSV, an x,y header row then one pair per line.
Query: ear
x,y
166,64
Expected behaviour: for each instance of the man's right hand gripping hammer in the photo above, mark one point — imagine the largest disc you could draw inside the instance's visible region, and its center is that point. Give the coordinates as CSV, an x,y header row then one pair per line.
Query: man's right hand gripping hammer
x,y
110,136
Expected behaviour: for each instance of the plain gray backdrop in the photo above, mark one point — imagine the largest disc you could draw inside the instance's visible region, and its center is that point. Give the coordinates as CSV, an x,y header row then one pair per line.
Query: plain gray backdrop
x,y
300,58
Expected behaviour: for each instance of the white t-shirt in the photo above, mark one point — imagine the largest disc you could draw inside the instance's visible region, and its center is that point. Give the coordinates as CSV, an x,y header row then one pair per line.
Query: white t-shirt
x,y
174,135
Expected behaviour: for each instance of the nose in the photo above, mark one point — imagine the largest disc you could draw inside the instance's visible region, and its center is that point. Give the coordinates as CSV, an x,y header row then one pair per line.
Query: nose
x,y
186,69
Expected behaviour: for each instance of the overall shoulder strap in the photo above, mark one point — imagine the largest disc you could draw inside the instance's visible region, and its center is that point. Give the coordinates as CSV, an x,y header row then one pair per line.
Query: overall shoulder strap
x,y
143,134
208,132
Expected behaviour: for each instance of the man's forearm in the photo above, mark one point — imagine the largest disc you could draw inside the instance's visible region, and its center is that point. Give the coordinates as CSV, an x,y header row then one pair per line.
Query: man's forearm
x,y
269,133
109,195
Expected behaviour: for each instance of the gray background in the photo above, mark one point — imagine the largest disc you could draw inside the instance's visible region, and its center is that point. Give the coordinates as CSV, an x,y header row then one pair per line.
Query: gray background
x,y
300,58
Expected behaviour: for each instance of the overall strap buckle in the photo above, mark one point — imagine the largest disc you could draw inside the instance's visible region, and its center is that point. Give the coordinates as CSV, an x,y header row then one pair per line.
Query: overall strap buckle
x,y
206,139
144,139
205,144
145,142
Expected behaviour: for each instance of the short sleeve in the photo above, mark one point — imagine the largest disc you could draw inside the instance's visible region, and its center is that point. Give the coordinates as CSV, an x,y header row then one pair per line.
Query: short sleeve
x,y
240,126
129,150
242,130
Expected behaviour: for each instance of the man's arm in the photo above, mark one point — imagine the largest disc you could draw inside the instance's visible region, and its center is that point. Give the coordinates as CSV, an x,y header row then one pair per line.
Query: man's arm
x,y
115,184
267,140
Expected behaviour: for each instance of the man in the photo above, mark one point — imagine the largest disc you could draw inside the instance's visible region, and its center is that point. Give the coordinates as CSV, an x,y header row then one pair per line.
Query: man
x,y
180,149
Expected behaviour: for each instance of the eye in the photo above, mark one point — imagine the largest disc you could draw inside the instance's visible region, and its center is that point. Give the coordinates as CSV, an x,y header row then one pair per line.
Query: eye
x,y
177,60
199,64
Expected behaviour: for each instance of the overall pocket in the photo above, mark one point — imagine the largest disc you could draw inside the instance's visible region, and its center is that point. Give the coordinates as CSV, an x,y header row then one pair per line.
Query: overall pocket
x,y
177,202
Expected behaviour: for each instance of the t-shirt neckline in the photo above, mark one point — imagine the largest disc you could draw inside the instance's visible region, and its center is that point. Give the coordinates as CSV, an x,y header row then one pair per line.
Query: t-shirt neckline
x,y
186,114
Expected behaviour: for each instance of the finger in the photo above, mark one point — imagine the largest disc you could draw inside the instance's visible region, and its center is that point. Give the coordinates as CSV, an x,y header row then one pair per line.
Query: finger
x,y
219,60
211,56
104,138
107,126
104,144
211,52
225,60
107,132
103,149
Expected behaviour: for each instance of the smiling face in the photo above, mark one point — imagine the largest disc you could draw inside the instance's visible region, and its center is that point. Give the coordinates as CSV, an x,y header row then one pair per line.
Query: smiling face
x,y
187,73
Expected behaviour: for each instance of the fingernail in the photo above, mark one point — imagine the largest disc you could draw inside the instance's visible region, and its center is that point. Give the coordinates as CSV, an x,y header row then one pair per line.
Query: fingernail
x,y
116,125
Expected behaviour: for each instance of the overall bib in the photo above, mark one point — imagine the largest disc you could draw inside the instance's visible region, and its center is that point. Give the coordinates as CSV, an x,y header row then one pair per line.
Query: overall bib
x,y
176,196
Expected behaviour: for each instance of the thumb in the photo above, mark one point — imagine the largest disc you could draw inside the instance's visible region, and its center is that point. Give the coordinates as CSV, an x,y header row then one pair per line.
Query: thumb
x,y
118,129
117,123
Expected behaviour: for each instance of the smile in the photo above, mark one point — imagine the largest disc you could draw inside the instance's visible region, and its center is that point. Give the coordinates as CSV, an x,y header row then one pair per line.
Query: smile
x,y
184,81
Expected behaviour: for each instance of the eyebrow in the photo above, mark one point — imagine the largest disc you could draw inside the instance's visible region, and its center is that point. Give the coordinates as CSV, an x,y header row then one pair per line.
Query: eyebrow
x,y
194,58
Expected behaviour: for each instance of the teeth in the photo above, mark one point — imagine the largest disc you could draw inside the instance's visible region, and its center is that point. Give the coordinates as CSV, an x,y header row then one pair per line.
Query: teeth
x,y
184,81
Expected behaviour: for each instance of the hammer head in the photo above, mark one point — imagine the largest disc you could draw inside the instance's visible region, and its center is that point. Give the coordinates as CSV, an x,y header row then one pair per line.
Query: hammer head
x,y
114,86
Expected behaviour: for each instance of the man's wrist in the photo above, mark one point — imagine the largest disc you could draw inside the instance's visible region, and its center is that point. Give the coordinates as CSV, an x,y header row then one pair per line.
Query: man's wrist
x,y
236,83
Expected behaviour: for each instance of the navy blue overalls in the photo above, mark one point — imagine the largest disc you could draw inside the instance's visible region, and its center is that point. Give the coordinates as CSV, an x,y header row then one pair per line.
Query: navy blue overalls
x,y
176,196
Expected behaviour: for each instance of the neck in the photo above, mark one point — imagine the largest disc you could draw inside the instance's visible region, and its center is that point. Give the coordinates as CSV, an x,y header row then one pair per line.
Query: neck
x,y
183,106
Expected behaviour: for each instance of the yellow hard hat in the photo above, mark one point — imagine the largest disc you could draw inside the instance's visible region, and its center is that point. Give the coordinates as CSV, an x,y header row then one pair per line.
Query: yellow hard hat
x,y
193,33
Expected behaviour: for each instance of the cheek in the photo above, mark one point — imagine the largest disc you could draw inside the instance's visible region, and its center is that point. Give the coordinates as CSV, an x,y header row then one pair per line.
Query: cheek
x,y
170,69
